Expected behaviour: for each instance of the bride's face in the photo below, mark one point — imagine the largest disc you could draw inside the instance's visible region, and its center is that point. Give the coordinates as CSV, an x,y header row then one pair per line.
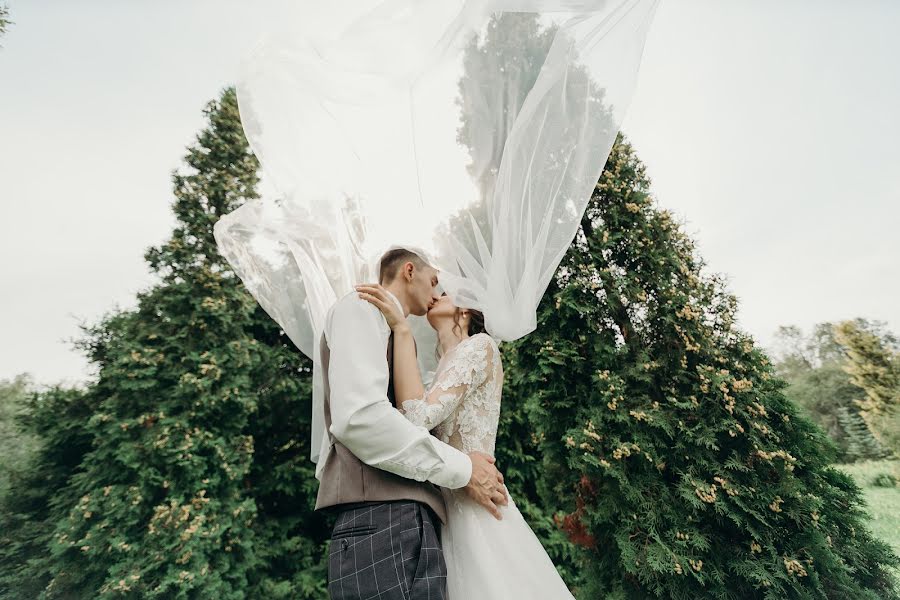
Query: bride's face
x,y
442,311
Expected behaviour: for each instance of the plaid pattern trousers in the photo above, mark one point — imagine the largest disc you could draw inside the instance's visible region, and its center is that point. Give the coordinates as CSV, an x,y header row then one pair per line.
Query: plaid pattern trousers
x,y
387,551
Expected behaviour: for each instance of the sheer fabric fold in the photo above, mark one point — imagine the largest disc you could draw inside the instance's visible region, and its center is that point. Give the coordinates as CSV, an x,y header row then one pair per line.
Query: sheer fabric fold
x,y
474,131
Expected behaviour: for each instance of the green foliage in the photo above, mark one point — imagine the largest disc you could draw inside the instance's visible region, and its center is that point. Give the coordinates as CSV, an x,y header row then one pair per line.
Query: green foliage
x,y
15,445
4,19
189,474
515,45
815,366
39,495
686,470
874,368
885,480
826,394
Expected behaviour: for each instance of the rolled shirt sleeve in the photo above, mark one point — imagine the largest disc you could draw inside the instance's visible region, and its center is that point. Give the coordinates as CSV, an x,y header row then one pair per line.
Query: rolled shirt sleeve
x,y
362,416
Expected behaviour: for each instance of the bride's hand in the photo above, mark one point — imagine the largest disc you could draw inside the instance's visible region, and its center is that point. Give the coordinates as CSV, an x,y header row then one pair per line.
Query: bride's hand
x,y
377,295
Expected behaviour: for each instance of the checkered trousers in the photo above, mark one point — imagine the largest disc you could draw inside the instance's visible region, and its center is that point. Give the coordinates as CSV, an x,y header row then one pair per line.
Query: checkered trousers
x,y
388,551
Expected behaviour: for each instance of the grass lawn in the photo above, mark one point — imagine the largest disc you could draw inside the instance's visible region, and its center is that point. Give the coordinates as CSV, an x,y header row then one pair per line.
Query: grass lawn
x,y
883,502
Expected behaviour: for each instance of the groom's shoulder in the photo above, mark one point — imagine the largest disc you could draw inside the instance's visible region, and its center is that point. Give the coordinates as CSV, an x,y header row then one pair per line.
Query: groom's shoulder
x,y
351,298
349,311
351,304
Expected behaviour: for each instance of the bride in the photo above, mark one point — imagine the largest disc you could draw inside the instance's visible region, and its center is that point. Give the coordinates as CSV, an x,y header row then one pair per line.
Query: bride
x,y
486,557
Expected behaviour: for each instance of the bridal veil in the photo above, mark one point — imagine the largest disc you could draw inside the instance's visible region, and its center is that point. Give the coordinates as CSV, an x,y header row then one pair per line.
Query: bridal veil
x,y
473,131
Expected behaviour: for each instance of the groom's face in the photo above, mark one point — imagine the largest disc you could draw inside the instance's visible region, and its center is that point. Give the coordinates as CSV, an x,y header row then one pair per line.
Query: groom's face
x,y
423,290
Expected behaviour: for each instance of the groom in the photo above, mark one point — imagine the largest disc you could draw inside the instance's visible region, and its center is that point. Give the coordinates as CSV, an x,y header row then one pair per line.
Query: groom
x,y
381,472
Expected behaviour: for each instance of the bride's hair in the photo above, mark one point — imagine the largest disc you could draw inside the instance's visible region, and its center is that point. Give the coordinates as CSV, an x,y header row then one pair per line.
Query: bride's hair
x,y
476,321
476,326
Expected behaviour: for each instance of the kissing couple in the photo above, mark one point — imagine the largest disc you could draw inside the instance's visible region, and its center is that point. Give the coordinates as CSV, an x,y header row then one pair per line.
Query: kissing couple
x,y
422,512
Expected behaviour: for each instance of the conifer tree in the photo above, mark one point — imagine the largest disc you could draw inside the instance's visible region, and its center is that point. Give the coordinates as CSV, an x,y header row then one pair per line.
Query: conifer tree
x,y
196,481
690,474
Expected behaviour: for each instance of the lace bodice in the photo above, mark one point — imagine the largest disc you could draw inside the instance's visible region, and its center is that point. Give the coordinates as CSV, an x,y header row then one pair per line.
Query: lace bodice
x,y
462,405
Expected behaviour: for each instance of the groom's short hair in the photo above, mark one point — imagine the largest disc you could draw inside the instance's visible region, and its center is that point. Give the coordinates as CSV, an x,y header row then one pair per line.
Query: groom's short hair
x,y
392,260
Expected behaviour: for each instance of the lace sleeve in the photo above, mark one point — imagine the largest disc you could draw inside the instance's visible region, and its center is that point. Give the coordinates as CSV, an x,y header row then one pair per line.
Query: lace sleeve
x,y
467,369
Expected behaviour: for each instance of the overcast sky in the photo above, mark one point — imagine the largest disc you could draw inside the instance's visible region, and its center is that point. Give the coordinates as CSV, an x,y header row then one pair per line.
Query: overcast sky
x,y
769,126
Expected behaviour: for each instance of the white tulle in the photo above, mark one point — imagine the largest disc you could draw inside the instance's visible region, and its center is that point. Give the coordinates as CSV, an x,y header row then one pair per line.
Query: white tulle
x,y
474,130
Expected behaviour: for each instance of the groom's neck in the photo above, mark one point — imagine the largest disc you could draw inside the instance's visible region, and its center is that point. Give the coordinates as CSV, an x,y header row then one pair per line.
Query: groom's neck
x,y
399,290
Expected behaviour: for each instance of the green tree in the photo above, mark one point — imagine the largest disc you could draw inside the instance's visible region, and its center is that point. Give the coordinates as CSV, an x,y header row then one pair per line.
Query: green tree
x,y
39,495
687,471
196,482
15,445
513,45
874,368
814,365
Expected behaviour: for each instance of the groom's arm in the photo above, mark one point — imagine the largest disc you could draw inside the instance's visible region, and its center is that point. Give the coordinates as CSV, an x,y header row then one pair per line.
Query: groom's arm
x,y
362,417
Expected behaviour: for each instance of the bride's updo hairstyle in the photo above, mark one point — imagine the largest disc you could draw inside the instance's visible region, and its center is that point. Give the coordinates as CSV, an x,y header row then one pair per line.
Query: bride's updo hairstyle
x,y
476,325
476,321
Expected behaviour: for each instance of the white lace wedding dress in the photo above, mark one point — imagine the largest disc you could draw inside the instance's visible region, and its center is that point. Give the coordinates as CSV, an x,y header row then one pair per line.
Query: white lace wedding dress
x,y
486,557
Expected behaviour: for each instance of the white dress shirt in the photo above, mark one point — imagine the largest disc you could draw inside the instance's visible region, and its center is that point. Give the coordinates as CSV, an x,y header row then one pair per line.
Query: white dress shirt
x,y
362,416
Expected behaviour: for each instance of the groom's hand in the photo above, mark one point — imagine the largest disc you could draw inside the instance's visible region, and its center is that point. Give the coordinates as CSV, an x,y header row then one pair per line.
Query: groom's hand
x,y
486,485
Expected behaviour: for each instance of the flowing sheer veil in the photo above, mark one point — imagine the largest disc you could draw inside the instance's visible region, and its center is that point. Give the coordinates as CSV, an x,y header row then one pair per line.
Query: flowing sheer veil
x,y
472,131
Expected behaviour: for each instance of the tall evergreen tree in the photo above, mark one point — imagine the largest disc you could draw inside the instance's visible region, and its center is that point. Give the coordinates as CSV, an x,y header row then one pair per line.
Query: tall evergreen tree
x,y
197,482
690,473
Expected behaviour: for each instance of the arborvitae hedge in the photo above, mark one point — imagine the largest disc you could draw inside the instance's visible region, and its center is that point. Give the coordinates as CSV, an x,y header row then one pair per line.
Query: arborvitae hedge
x,y
683,470
190,475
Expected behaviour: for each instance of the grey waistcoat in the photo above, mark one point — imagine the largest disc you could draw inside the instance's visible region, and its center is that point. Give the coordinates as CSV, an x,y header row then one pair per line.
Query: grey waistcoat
x,y
348,480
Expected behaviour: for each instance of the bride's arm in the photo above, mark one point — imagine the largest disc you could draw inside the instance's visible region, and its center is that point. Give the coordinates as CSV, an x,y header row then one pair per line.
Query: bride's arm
x,y
407,378
468,368
426,407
